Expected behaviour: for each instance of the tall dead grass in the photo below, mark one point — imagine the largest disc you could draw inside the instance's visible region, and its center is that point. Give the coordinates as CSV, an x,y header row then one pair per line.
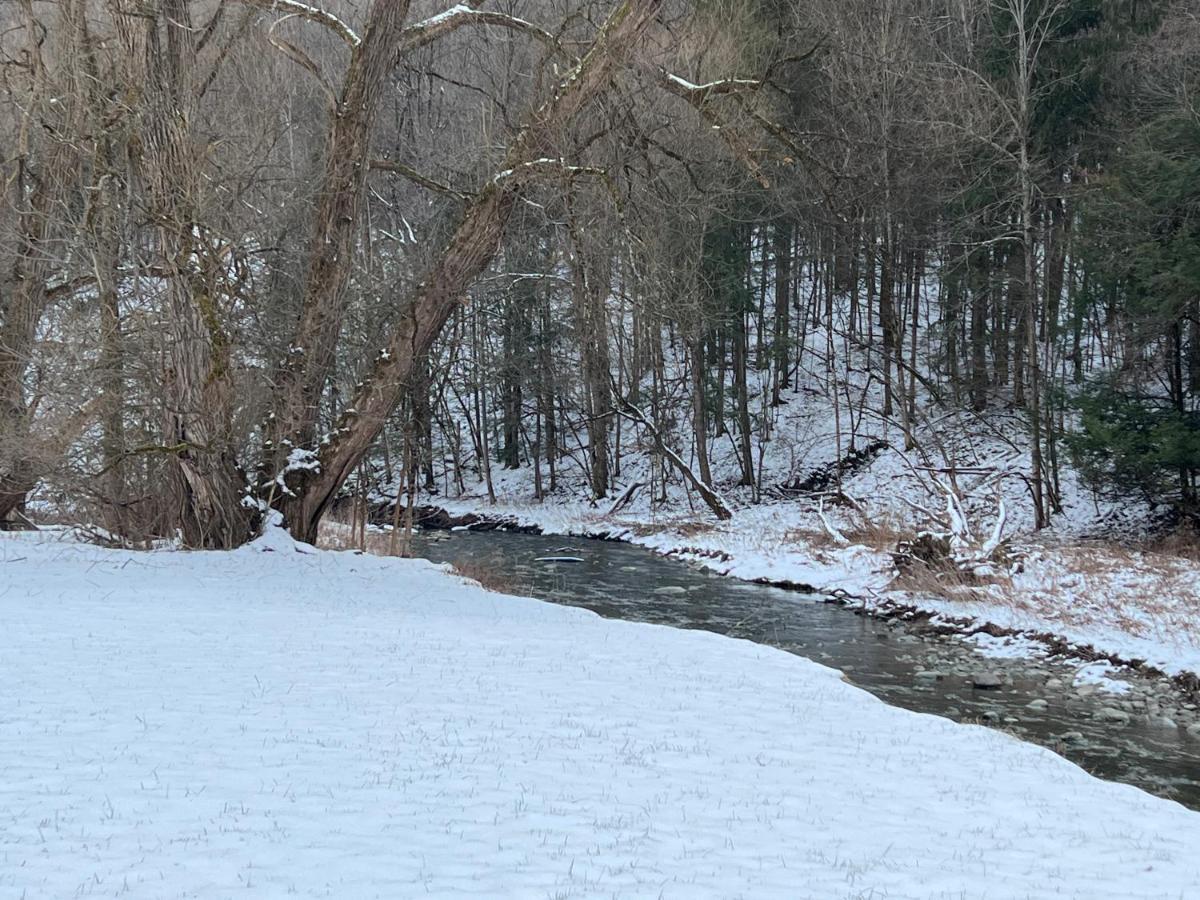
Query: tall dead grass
x,y
487,576
340,536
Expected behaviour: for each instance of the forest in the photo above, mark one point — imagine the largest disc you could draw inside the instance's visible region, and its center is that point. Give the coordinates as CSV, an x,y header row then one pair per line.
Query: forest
x,y
260,255
600,448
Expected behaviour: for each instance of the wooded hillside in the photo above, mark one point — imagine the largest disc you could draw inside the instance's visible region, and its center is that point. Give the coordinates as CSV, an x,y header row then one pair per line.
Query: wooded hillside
x,y
254,253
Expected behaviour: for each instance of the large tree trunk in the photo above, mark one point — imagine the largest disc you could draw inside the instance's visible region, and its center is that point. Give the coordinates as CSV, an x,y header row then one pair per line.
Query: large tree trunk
x,y
36,194
468,251
209,485
105,250
311,356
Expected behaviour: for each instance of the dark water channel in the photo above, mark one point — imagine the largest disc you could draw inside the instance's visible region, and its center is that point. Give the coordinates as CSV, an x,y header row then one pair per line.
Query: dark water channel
x,y
1146,745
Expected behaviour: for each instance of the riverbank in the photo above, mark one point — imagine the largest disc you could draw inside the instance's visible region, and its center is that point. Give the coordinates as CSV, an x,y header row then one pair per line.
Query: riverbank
x,y
280,719
1089,601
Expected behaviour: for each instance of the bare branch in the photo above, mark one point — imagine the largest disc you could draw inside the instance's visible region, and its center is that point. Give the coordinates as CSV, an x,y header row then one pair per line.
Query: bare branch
x,y
387,165
698,96
312,14
425,32
302,59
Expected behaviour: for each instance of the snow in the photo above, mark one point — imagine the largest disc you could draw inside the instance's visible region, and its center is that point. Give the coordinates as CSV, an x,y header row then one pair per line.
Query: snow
x,y
1100,674
326,724
318,15
709,85
445,15
1010,647
1107,594
300,460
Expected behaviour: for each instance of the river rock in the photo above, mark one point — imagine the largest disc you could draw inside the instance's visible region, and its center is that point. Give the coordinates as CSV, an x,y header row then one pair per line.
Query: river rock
x,y
1039,703
929,675
1112,714
1071,737
1194,729
670,589
987,681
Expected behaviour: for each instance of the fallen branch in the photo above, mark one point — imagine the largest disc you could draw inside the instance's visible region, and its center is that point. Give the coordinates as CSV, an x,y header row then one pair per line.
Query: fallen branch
x,y
714,500
625,499
840,539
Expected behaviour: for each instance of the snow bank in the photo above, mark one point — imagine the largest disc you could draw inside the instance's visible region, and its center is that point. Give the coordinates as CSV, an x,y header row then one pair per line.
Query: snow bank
x,y
269,723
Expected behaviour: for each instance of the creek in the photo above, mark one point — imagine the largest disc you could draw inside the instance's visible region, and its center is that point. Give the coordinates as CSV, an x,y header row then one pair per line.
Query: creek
x,y
1138,737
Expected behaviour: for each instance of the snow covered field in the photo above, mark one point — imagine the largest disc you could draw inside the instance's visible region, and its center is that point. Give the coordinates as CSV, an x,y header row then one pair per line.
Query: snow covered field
x,y
325,724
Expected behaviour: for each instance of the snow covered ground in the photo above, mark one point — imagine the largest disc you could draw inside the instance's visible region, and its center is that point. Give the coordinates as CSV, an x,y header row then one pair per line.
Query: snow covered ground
x,y
272,722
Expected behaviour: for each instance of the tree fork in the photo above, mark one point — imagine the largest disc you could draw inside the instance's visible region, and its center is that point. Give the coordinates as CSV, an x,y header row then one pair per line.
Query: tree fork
x,y
472,246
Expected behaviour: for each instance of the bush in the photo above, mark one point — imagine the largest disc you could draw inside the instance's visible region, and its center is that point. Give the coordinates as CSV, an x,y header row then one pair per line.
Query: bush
x,y
1136,444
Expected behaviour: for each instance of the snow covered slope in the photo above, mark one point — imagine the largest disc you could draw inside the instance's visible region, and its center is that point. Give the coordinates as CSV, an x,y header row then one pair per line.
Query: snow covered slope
x,y
270,722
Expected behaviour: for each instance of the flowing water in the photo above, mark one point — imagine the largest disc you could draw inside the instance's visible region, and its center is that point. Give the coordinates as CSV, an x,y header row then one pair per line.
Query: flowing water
x,y
930,674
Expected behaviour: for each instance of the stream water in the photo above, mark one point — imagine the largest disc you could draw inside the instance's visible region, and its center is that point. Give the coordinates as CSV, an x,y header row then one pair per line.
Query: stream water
x,y
1132,738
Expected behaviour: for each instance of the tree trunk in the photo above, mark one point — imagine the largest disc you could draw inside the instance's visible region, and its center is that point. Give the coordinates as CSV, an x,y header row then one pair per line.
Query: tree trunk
x,y
37,196
210,487
699,406
312,353
590,287
742,398
783,299
468,251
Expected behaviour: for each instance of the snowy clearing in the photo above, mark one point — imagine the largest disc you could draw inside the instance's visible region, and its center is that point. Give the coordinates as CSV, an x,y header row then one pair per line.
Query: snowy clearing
x,y
326,724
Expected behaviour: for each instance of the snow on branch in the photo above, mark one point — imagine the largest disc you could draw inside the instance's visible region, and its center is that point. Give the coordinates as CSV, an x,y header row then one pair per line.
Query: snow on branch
x,y
429,30
953,532
698,96
683,87
832,530
312,14
536,166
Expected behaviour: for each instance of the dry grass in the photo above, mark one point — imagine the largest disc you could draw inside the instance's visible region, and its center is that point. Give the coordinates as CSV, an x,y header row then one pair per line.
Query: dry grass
x,y
1182,543
487,577
339,536
950,584
882,533
810,537
683,527
693,528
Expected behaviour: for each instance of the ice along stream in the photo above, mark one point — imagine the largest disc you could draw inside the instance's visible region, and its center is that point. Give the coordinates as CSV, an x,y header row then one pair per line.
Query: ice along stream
x,y
1137,738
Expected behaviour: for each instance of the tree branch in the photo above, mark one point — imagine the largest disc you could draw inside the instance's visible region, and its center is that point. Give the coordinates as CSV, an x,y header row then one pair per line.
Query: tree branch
x,y
302,59
698,96
425,32
312,14
387,165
